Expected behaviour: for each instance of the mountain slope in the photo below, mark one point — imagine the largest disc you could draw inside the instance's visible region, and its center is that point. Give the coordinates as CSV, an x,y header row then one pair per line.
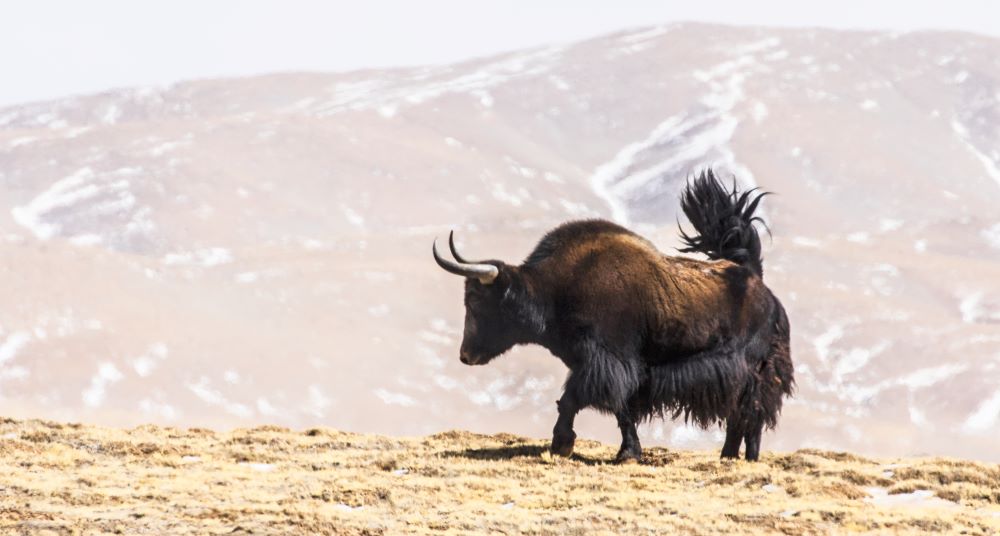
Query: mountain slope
x,y
227,252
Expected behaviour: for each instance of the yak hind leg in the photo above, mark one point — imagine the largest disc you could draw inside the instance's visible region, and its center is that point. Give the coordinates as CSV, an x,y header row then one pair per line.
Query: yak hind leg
x,y
631,450
746,427
752,437
734,436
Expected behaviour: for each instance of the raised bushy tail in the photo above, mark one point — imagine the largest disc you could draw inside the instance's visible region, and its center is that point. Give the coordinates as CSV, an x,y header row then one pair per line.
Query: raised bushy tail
x,y
724,220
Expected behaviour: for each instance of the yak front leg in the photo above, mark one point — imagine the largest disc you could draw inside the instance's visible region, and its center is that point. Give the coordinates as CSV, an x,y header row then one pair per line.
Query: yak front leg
x,y
563,436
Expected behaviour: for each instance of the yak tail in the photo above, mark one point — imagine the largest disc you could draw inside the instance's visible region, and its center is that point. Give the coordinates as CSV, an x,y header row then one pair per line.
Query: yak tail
x,y
724,220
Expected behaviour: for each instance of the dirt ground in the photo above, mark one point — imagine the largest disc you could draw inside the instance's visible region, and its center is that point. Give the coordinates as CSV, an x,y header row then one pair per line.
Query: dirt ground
x,y
78,479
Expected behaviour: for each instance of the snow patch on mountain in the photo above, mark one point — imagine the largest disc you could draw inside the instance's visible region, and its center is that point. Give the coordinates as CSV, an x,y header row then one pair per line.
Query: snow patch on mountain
x,y
207,257
158,409
145,364
992,235
13,344
90,207
430,83
107,374
990,161
974,307
986,417
632,182
203,390
394,399
317,402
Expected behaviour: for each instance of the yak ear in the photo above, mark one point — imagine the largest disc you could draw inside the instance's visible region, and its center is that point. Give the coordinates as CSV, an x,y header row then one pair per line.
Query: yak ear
x,y
506,277
519,302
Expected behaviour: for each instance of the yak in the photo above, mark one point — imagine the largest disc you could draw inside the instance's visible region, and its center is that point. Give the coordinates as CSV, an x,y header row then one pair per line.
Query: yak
x,y
644,334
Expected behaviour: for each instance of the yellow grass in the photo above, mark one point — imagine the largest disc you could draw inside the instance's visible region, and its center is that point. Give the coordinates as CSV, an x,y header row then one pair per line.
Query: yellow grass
x,y
74,479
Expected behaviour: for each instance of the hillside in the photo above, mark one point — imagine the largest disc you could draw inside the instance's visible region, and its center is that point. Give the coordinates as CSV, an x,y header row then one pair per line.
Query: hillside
x,y
235,252
69,478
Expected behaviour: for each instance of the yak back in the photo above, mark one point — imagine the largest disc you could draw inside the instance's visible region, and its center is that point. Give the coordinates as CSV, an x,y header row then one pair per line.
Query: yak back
x,y
602,279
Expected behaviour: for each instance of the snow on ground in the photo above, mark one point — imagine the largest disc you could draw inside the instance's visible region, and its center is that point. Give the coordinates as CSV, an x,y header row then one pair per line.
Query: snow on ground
x,y
259,467
920,498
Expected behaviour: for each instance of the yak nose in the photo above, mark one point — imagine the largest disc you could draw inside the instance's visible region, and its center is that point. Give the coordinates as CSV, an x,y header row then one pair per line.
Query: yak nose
x,y
464,358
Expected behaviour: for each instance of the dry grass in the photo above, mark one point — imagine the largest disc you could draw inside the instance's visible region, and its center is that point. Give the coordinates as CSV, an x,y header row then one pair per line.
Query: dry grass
x,y
72,479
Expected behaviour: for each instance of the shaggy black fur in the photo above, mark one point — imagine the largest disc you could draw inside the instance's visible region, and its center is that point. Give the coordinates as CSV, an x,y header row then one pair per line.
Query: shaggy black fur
x,y
644,334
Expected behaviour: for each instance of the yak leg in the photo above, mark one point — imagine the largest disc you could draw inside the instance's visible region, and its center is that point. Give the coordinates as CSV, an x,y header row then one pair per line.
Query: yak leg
x,y
563,435
753,441
734,436
631,450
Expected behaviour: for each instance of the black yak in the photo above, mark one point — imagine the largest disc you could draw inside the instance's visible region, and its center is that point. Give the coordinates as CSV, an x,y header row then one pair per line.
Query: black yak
x,y
644,334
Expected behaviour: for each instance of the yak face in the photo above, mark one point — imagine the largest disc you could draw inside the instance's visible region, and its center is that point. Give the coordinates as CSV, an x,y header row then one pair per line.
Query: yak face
x,y
490,329
499,309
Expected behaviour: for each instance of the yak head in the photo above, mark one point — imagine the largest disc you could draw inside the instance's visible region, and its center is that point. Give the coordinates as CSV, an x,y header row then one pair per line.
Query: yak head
x,y
499,309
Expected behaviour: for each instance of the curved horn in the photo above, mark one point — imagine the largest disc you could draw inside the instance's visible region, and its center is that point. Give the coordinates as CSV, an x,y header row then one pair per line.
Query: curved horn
x,y
485,273
454,250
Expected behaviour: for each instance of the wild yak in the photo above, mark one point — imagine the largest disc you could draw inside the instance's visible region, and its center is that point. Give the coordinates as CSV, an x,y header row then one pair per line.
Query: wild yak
x,y
644,334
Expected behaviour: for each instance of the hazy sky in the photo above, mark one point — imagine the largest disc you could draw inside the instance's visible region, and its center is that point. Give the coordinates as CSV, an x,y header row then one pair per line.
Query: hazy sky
x,y
54,48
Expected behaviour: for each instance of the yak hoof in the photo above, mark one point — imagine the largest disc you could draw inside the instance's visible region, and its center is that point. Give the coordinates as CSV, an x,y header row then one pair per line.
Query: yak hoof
x,y
628,456
563,445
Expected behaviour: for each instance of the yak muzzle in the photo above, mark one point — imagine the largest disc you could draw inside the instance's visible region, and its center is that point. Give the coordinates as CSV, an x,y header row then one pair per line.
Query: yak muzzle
x,y
467,359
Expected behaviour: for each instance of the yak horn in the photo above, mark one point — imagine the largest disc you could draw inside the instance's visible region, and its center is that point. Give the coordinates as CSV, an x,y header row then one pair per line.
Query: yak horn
x,y
485,273
454,250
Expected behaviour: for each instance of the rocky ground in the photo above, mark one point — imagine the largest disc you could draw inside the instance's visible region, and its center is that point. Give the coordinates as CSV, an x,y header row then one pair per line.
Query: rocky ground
x,y
78,479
